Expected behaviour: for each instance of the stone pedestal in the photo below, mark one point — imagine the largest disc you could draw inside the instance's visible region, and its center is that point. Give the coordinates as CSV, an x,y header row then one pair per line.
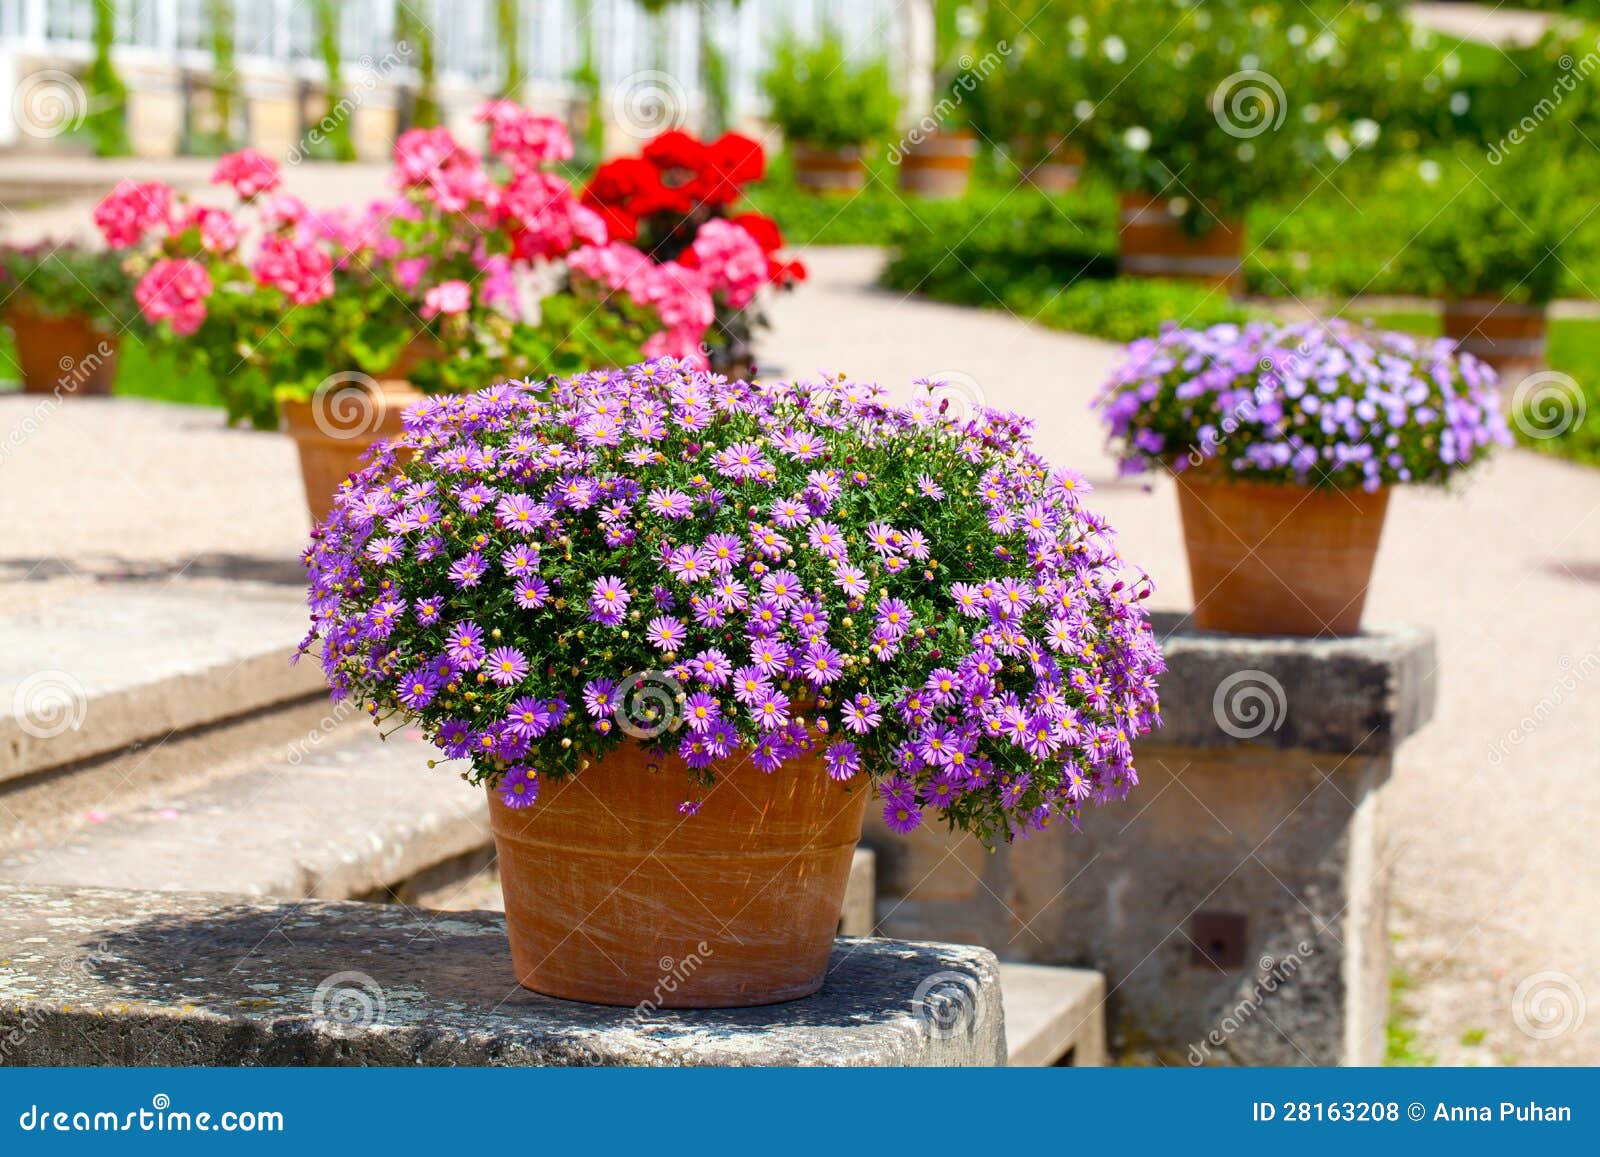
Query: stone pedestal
x,y
1238,901
104,977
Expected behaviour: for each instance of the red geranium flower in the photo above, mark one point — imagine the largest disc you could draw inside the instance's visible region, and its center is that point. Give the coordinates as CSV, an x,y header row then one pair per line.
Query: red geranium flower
x,y
761,227
676,149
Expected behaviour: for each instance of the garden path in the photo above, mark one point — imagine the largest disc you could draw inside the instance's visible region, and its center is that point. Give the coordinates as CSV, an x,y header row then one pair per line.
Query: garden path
x,y
1496,863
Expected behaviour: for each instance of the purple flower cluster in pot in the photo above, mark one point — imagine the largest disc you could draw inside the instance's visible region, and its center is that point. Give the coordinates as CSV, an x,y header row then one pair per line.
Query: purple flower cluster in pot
x,y
736,572
1315,404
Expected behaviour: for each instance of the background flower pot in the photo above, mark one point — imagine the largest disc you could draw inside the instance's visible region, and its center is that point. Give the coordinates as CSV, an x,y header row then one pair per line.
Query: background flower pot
x,y
65,353
1510,337
1273,559
612,897
1150,243
334,429
940,165
835,170
1058,171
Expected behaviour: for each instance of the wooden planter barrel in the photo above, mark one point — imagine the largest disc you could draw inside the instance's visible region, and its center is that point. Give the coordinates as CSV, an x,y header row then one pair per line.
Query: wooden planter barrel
x,y
613,897
1510,337
335,429
830,170
1274,559
1151,243
1058,171
939,165
62,354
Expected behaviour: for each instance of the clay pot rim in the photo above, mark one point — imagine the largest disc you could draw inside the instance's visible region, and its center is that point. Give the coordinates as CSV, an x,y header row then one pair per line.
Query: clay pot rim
x,y
1215,474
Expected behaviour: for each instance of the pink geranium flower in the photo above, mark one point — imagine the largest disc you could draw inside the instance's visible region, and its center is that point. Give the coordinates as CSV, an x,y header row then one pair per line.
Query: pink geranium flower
x,y
175,291
249,172
447,297
132,208
303,272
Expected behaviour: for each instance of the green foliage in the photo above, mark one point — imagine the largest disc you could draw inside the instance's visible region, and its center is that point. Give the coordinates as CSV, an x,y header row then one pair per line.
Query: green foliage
x,y
338,125
106,119
571,336
69,279
413,31
823,95
224,85
509,27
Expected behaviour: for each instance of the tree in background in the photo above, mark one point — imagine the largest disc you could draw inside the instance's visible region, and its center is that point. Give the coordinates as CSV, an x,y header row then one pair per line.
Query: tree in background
x,y
411,28
337,128
507,14
107,97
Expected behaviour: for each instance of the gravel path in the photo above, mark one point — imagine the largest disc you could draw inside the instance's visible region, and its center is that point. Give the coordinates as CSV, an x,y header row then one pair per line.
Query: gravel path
x,y
1497,865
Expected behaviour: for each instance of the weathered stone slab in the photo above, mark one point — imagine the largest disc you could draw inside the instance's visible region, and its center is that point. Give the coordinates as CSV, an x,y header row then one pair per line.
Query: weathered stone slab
x,y
1360,694
98,671
1238,903
103,977
335,820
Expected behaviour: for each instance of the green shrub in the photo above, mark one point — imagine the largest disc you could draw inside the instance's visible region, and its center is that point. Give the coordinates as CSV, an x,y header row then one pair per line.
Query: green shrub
x,y
822,95
69,279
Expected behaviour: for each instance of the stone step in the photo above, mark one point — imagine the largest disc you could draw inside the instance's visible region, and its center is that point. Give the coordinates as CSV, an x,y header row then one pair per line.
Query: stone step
x,y
335,818
1054,1016
100,977
93,672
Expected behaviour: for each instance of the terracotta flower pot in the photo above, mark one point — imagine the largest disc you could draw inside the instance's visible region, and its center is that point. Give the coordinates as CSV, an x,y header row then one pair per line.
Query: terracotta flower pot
x,y
1057,171
612,897
1150,243
1273,559
65,354
1510,337
335,428
940,165
832,170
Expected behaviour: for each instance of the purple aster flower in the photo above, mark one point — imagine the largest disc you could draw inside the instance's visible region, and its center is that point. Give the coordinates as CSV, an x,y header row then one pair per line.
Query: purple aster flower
x,y
600,697
861,714
673,504
609,600
769,657
711,667
467,571
385,550
894,618
465,648
530,718
929,487
506,666
428,610
842,760
520,560
666,633
453,737
701,710
418,688
519,788
902,816
822,665
687,564
531,593
782,588
722,552
771,711
750,685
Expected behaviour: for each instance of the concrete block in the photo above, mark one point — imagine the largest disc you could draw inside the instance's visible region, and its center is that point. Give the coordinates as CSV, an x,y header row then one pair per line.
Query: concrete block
x,y
1054,1016
103,977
